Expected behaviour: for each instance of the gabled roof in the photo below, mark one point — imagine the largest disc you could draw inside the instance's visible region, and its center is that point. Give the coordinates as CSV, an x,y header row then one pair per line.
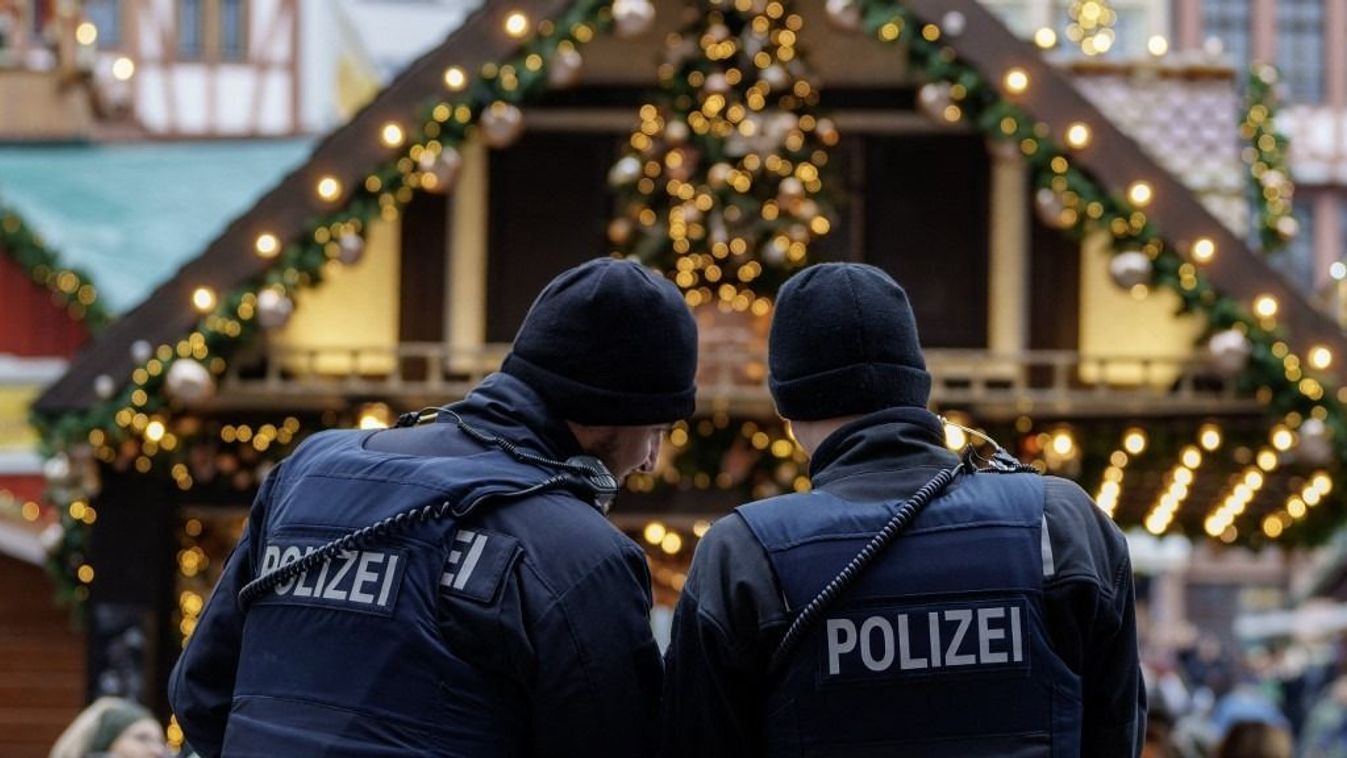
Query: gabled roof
x,y
349,152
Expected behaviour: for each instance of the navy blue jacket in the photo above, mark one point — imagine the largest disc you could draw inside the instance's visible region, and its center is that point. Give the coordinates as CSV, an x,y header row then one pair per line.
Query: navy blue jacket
x,y
718,698
530,636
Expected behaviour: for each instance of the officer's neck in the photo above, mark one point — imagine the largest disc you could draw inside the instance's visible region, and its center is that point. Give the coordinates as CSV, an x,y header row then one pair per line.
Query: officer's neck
x,y
811,434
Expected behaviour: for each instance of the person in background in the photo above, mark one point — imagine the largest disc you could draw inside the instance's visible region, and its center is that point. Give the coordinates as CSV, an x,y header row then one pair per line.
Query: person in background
x,y
1254,739
113,727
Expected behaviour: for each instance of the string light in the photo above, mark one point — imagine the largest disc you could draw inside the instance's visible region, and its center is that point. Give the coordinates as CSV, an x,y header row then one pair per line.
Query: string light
x,y
455,79
1181,478
1077,135
1320,357
391,135
654,532
517,24
1209,437
267,245
1242,491
329,188
1265,306
123,69
203,299
1139,194
1157,45
1134,441
1204,249
1016,81
1045,38
86,33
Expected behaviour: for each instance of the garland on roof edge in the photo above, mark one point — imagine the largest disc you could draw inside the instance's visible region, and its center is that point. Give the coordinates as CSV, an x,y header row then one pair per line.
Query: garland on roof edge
x,y
71,288
134,422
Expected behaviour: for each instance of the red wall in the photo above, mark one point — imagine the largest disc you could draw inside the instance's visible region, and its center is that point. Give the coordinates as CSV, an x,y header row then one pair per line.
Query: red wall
x,y
31,324
41,663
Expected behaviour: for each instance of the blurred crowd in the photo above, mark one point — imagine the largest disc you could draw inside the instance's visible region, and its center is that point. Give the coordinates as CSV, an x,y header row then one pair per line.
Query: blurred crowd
x,y
1213,698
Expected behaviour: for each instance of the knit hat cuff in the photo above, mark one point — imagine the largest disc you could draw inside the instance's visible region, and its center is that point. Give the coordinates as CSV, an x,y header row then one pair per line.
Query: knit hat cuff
x,y
851,391
596,406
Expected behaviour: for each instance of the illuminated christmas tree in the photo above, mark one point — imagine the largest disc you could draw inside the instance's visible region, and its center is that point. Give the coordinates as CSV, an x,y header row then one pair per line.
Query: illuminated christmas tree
x,y
723,188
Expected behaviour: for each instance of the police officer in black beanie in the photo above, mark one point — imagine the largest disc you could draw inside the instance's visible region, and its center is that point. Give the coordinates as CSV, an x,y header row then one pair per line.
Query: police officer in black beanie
x,y
513,623
999,622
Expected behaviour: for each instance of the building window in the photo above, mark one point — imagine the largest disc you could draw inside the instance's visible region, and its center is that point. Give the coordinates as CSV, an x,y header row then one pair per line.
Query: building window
x,y
106,16
190,20
1300,48
1296,260
233,30
1228,21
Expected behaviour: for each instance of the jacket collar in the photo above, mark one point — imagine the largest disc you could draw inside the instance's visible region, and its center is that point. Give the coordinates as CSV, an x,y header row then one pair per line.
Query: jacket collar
x,y
508,408
894,439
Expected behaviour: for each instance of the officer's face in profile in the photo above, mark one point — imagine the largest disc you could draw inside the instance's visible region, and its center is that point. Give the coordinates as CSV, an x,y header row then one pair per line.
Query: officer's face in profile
x,y
623,449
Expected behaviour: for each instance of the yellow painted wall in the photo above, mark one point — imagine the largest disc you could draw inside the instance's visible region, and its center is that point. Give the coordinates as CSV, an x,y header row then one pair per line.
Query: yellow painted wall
x,y
468,259
15,400
1114,323
355,307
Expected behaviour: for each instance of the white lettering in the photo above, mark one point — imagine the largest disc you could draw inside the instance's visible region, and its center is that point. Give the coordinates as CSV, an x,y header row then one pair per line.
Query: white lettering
x,y
841,639
332,593
271,558
986,634
364,576
1015,633
934,619
322,578
389,573
300,589
952,656
867,634
290,555
905,659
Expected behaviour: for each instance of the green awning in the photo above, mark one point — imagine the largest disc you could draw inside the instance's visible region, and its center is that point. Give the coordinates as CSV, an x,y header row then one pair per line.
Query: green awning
x,y
132,214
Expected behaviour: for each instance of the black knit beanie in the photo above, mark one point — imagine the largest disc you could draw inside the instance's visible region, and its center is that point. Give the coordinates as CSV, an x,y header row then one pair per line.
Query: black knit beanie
x,y
844,343
609,343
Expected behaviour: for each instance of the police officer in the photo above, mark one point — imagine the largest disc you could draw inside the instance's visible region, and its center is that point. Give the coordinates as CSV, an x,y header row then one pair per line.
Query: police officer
x,y
509,617
999,622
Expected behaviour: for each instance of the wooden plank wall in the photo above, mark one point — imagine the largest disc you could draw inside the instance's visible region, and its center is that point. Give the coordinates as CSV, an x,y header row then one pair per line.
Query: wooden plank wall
x,y
31,324
42,661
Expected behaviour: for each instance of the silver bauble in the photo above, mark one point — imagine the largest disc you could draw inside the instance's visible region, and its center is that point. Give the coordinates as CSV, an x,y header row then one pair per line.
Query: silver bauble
x,y
776,77
677,132
790,189
189,382
1049,206
273,308
632,18
350,248
933,98
565,68
141,351
626,171
1316,443
104,386
1230,350
1130,268
953,23
501,124
444,166
57,470
845,14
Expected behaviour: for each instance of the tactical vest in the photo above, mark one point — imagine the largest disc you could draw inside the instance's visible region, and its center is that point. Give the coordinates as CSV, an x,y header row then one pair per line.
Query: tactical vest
x,y
349,659
940,648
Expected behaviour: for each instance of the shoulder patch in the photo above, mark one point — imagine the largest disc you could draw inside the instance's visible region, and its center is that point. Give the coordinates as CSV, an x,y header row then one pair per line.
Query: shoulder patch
x,y
478,563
